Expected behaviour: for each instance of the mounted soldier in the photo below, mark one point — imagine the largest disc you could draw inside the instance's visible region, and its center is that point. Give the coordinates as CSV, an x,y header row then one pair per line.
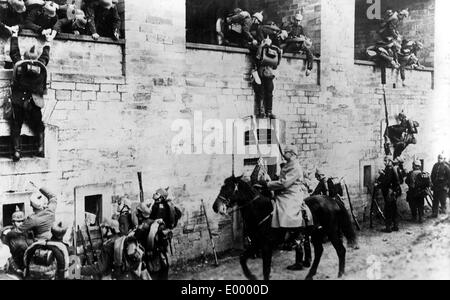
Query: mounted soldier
x,y
17,242
27,93
154,231
120,256
39,224
48,259
291,213
322,187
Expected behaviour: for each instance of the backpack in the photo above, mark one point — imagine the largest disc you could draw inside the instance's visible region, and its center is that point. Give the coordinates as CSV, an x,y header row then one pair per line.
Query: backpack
x,y
335,188
270,57
44,260
423,181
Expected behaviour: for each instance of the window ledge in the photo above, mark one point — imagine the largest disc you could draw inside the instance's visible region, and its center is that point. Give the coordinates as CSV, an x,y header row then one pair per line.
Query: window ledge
x,y
73,37
371,63
229,49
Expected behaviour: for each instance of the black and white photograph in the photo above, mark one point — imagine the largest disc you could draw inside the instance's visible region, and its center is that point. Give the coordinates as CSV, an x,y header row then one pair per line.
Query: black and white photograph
x,y
224,141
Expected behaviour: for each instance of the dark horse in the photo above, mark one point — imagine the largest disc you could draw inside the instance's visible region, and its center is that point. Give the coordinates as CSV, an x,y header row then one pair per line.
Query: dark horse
x,y
330,218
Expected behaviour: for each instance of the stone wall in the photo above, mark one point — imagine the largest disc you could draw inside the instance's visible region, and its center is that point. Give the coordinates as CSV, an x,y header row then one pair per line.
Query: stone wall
x,y
113,119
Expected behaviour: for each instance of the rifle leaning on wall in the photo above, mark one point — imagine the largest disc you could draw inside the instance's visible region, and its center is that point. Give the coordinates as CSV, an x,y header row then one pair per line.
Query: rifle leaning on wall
x,y
375,205
351,207
216,261
83,242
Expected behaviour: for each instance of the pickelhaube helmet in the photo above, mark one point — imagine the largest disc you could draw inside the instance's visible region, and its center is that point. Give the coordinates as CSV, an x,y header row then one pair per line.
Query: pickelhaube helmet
x,y
106,3
258,16
59,230
18,215
18,6
299,17
50,8
31,54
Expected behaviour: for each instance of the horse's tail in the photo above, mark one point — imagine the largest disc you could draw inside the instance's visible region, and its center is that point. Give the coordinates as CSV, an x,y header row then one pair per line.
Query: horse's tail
x,y
345,223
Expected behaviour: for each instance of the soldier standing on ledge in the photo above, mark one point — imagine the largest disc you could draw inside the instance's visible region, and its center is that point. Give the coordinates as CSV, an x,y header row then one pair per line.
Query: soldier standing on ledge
x,y
27,93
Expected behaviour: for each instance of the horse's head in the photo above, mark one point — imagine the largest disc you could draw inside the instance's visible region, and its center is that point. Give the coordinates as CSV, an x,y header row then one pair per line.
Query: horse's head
x,y
228,195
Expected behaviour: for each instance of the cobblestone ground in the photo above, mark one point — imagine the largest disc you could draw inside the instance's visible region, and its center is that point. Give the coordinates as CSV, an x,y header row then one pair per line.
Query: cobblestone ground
x,y
416,252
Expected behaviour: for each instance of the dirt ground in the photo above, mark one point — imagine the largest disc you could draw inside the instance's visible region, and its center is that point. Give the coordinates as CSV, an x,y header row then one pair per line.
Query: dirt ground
x,y
417,252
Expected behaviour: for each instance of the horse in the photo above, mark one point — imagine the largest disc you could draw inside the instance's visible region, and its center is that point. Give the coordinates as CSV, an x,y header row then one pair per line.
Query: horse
x,y
330,217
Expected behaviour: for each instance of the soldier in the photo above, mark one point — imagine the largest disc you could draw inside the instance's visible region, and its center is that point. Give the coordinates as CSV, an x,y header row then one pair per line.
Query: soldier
x,y
28,88
106,20
298,42
121,255
41,18
402,135
268,58
322,187
48,259
440,177
40,222
289,206
389,27
249,25
389,182
74,23
415,196
17,242
11,16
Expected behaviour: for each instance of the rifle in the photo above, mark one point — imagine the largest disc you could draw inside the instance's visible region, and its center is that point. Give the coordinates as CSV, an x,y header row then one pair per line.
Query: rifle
x,y
83,242
141,189
375,205
90,241
387,148
351,208
210,234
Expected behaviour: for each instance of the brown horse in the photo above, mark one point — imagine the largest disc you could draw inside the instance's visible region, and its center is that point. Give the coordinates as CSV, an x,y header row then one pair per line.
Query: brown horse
x,y
330,218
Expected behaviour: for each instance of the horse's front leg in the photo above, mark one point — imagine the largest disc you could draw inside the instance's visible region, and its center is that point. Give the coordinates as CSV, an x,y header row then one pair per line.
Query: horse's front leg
x,y
316,239
267,261
243,260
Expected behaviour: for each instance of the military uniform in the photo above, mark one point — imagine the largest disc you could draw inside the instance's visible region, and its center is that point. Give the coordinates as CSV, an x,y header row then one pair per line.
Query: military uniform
x,y
415,195
391,189
37,20
244,19
107,22
296,31
9,17
440,177
104,265
28,90
40,223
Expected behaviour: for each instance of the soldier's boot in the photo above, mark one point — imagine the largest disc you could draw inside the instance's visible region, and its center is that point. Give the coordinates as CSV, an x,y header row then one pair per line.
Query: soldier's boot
x,y
298,266
41,148
16,148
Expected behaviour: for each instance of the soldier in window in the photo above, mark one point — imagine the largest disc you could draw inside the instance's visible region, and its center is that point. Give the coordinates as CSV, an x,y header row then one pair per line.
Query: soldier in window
x,y
75,22
42,17
104,18
298,42
11,15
